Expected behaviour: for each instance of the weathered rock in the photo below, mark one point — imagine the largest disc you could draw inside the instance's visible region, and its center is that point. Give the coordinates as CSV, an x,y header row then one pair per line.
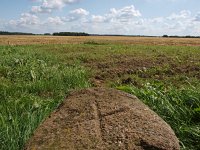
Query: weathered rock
x,y
99,118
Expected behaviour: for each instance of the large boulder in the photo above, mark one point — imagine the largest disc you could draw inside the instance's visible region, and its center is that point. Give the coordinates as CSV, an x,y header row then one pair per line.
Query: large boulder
x,y
98,118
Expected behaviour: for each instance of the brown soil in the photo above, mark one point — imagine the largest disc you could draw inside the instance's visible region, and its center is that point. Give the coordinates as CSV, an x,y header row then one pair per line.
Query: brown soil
x,y
114,68
110,70
99,118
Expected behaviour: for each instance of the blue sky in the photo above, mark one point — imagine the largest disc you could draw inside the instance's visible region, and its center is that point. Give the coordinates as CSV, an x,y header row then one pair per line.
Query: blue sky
x,y
132,17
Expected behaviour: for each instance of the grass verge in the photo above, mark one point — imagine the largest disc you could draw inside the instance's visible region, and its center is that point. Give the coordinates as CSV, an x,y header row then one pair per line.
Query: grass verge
x,y
178,107
32,84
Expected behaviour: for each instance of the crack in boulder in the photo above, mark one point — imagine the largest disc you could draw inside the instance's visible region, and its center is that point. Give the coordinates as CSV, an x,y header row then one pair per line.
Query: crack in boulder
x,y
100,118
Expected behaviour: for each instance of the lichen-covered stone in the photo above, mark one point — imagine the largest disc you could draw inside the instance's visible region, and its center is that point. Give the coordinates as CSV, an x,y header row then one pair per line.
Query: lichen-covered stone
x,y
99,118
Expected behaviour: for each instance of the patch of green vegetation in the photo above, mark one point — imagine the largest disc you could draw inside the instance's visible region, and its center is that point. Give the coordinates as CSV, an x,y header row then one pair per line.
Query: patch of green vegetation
x,y
178,107
35,79
92,42
32,84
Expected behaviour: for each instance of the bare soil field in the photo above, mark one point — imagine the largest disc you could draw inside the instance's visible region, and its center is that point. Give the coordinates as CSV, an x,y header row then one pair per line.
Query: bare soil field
x,y
29,40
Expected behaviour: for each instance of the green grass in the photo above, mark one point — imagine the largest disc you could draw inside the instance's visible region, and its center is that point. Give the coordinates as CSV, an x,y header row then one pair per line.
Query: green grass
x,y
32,84
178,107
35,79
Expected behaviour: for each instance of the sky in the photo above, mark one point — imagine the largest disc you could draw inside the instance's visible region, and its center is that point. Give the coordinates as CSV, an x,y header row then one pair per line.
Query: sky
x,y
128,17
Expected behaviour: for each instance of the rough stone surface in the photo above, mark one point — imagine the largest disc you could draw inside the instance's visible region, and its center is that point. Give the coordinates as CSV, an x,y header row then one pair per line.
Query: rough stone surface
x,y
101,119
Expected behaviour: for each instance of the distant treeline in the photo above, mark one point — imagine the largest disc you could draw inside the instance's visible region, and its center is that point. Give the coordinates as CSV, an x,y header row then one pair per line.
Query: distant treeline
x,y
70,34
86,34
14,33
122,35
176,36
54,34
166,36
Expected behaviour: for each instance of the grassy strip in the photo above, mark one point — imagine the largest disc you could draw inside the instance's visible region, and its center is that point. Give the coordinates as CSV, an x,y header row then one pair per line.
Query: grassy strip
x,y
32,84
178,107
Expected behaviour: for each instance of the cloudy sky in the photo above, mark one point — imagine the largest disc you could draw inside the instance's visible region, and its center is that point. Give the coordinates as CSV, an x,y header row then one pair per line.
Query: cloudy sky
x,y
131,17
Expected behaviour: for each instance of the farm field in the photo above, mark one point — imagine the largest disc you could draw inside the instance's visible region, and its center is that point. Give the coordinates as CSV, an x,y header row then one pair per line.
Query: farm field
x,y
26,40
37,72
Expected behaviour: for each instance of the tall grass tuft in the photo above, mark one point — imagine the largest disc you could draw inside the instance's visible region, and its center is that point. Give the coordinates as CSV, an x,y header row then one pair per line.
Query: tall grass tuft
x,y
178,107
32,84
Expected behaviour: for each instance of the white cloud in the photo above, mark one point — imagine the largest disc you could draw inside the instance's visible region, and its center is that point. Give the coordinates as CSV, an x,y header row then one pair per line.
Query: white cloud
x,y
99,19
127,20
25,20
150,1
76,14
48,6
79,12
181,23
197,17
54,21
26,23
181,15
30,21
157,20
124,14
39,9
